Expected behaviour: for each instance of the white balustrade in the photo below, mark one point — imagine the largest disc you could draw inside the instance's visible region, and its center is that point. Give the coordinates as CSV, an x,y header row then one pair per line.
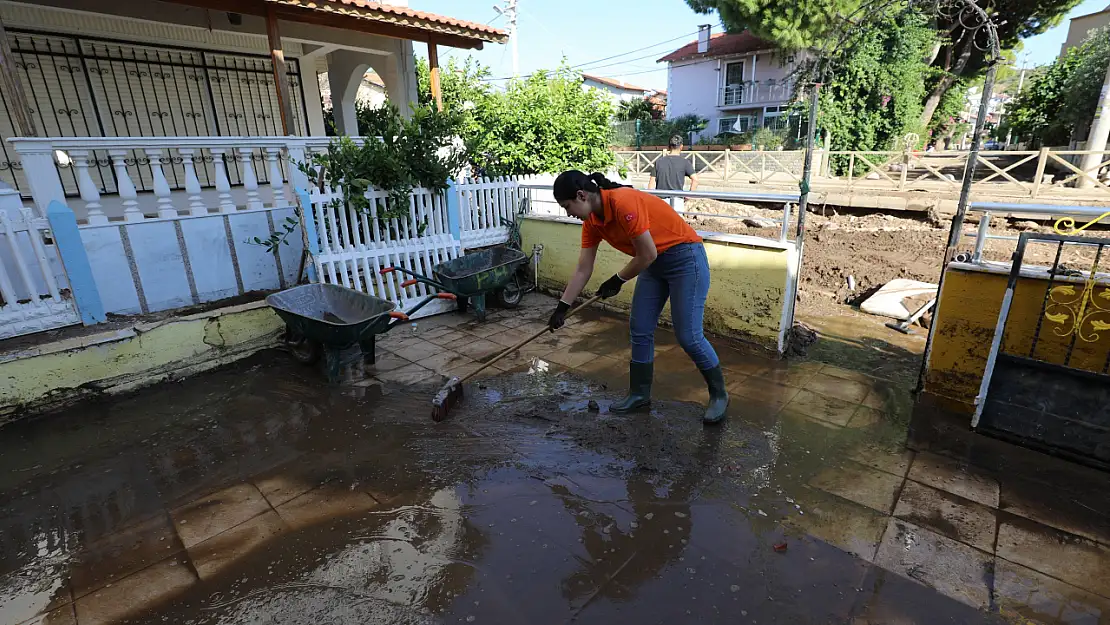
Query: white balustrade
x,y
250,180
89,191
187,175
161,185
192,182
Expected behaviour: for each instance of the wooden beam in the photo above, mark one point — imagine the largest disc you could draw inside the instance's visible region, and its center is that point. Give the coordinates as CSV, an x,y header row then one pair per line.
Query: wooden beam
x,y
433,67
281,78
12,86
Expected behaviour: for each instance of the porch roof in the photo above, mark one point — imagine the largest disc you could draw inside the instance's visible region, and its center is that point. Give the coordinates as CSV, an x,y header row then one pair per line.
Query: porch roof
x,y
370,17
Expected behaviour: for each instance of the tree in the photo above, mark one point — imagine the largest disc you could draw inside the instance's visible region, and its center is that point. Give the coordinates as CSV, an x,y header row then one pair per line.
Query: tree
x,y
632,110
791,25
877,85
1059,101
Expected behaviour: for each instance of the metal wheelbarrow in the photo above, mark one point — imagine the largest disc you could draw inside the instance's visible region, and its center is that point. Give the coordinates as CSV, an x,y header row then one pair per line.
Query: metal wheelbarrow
x,y
473,276
328,319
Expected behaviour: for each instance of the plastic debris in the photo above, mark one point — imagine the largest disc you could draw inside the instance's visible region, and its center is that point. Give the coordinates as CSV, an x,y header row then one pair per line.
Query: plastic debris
x,y
780,547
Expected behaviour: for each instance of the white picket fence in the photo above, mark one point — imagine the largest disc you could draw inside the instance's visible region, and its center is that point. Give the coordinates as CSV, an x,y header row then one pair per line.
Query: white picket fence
x,y
487,206
355,246
33,290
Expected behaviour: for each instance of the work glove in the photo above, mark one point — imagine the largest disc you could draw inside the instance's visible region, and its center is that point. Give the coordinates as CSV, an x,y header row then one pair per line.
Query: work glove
x,y
559,317
610,287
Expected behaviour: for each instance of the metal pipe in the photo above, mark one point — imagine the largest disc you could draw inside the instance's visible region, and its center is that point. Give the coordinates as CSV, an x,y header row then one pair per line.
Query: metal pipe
x,y
981,238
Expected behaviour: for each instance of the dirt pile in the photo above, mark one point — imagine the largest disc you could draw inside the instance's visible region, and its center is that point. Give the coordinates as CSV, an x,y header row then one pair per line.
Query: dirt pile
x,y
849,254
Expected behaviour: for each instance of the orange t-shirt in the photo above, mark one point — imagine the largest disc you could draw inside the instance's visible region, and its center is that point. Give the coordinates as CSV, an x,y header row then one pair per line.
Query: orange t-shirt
x,y
628,213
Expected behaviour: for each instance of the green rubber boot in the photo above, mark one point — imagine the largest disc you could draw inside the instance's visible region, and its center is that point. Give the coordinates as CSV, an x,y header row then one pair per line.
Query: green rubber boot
x,y
718,397
639,388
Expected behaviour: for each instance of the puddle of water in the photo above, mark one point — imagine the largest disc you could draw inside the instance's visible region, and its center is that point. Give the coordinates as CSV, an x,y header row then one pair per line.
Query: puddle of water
x,y
526,506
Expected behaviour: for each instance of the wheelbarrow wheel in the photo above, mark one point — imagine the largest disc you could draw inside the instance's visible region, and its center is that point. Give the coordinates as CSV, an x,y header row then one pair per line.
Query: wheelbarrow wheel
x,y
510,296
304,350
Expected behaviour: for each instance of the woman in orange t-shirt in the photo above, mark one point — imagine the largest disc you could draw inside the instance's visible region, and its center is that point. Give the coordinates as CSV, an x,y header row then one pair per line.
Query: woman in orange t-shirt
x,y
668,260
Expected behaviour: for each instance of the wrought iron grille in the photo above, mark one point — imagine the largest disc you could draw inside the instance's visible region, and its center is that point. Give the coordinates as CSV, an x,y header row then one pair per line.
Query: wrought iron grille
x,y
91,87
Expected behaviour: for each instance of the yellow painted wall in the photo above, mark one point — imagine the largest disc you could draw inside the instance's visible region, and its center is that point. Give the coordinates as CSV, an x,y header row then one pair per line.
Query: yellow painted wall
x,y
747,288
144,354
966,321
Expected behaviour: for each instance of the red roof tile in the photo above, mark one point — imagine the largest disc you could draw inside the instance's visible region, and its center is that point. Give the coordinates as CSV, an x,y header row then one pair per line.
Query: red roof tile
x,y
615,83
720,44
396,14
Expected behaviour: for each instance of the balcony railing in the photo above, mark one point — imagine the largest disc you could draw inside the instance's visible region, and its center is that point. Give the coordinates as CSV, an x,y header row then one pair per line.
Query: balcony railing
x,y
754,92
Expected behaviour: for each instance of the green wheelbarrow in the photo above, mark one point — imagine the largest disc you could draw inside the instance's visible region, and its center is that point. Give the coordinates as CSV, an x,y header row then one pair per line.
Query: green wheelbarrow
x,y
470,278
327,319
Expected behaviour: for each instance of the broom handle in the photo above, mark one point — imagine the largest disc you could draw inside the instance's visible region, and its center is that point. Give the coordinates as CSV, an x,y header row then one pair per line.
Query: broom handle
x,y
527,340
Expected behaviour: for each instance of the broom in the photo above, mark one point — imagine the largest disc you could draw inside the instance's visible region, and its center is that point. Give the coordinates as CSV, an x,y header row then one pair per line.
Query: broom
x,y
452,392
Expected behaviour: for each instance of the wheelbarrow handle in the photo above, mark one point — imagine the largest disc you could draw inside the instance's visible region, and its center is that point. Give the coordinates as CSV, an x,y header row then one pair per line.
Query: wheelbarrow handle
x,y
396,314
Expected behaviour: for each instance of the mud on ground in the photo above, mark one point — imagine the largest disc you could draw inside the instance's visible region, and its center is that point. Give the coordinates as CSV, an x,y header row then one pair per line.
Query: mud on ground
x,y
870,246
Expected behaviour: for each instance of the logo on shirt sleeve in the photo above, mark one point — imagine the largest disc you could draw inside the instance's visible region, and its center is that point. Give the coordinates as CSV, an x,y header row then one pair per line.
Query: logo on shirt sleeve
x,y
629,217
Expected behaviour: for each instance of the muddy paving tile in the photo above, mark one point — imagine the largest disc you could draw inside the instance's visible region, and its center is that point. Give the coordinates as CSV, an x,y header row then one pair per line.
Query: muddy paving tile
x,y
848,374
383,362
830,386
895,460
769,393
218,512
1075,560
821,407
1040,598
223,550
122,553
948,515
948,566
477,349
279,488
444,361
796,374
138,591
863,485
410,374
844,524
1067,509
321,504
509,338
58,616
952,476
865,417
571,359
445,338
418,351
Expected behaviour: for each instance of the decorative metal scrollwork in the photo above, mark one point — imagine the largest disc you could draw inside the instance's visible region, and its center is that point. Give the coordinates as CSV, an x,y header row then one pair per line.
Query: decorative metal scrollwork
x,y
72,69
100,71
139,73
192,115
10,165
68,112
161,114
122,113
1066,225
25,65
1083,314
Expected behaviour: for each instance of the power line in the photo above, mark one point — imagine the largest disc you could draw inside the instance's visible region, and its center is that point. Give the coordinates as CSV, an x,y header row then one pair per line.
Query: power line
x,y
580,66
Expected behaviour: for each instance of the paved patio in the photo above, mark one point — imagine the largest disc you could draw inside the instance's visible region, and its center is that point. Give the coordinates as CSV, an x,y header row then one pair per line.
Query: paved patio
x,y
257,494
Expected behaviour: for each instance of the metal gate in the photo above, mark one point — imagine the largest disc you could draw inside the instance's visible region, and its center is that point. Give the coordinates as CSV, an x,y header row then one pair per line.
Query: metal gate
x,y
92,87
1046,384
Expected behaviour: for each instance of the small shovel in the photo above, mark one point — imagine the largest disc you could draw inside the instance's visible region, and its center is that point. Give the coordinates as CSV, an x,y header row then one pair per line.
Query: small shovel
x,y
452,392
904,327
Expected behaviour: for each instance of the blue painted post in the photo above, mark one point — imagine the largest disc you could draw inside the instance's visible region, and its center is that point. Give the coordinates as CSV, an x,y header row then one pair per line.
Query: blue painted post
x,y
67,237
454,211
309,226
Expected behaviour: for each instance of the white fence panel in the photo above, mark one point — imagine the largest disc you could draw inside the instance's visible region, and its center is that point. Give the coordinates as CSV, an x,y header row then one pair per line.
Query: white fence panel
x,y
355,246
155,264
33,297
488,206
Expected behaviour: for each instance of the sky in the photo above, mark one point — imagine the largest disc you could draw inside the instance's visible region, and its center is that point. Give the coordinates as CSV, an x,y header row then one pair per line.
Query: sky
x,y
586,32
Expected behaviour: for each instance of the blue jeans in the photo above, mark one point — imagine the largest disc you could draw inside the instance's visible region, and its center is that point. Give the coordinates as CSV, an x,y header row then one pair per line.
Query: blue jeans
x,y
682,274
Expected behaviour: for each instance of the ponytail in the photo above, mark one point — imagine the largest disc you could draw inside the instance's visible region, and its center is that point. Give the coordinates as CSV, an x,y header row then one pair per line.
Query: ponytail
x,y
570,182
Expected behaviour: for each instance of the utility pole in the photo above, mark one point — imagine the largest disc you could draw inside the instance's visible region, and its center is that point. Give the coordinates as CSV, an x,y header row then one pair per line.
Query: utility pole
x,y
1096,138
510,13
1021,83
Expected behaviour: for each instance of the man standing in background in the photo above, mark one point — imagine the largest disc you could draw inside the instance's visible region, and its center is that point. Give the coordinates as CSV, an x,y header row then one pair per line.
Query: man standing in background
x,y
671,170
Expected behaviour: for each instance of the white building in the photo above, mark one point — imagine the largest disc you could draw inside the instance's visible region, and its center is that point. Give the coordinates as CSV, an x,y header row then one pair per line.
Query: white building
x,y
617,90
737,81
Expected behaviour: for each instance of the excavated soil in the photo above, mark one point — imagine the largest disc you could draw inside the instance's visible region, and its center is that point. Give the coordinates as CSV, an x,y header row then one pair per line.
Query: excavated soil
x,y
870,248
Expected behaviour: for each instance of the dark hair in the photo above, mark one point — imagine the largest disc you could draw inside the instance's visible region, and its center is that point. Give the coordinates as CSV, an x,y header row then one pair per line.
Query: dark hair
x,y
570,182
675,142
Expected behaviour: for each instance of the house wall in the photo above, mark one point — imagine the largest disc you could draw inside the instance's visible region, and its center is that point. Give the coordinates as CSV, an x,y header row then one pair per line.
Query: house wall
x,y
693,87
1080,26
614,93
